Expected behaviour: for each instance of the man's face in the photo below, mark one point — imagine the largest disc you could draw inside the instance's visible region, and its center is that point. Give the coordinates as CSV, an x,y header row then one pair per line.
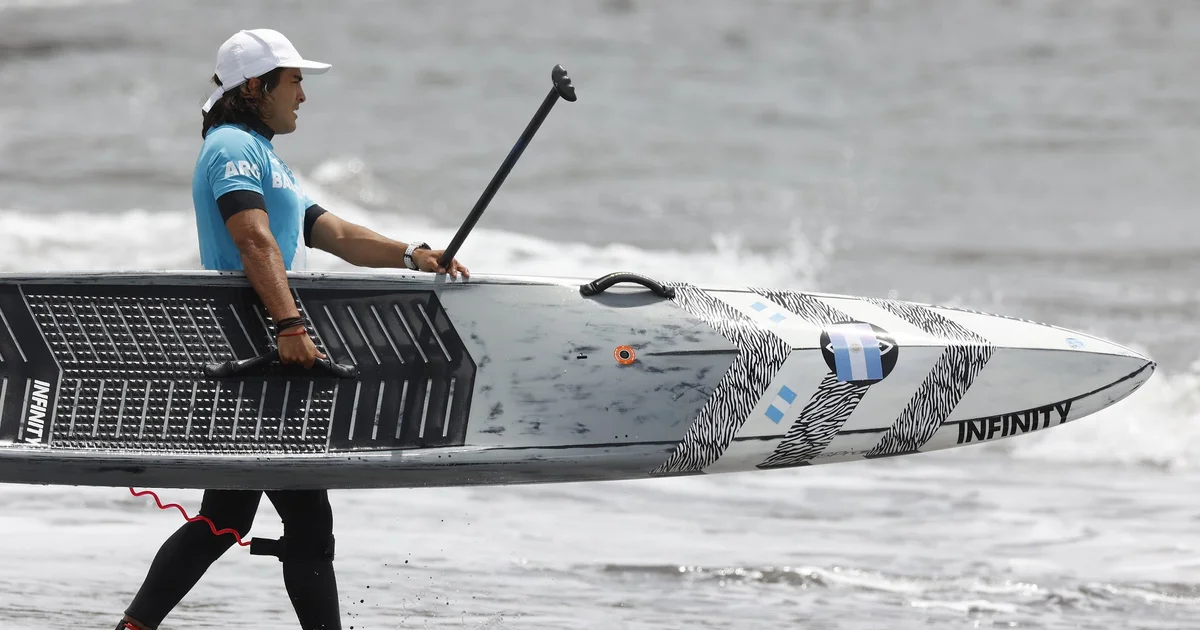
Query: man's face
x,y
285,100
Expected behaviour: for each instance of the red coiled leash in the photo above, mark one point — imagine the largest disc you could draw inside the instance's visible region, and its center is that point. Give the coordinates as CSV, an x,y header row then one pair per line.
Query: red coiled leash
x,y
190,519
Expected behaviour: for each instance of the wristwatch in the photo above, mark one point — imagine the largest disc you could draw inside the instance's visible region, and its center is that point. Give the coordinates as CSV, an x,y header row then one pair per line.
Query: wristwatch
x,y
408,259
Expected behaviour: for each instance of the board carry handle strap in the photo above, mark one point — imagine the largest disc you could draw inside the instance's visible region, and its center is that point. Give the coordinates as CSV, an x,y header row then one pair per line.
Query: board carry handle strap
x,y
248,367
603,283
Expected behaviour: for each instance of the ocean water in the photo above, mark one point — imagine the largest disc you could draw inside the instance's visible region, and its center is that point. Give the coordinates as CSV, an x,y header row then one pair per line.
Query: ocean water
x,y
1031,158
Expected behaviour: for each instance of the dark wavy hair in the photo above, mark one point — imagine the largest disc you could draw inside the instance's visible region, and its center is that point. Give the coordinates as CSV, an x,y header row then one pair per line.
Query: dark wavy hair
x,y
240,108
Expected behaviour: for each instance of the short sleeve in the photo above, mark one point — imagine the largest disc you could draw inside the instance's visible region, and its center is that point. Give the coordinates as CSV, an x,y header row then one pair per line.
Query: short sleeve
x,y
235,164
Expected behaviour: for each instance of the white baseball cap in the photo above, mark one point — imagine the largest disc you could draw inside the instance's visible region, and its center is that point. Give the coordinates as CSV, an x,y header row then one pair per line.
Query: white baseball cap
x,y
253,53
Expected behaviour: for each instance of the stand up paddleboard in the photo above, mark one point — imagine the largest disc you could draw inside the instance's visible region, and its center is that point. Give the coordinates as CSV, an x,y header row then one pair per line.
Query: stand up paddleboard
x,y
169,379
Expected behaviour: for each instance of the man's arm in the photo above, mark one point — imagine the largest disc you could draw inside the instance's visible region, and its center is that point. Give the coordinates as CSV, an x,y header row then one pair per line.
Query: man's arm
x,y
354,243
364,247
262,261
234,176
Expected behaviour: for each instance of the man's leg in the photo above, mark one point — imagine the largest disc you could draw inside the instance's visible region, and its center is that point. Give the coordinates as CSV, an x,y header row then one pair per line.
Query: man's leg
x,y
308,556
188,553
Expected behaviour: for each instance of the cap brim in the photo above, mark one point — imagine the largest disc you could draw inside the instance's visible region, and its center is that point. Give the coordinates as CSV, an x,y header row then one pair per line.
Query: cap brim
x,y
313,67
212,100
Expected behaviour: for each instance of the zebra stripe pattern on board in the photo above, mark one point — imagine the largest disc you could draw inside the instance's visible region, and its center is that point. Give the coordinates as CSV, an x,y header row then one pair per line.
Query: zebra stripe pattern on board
x,y
945,385
830,405
760,356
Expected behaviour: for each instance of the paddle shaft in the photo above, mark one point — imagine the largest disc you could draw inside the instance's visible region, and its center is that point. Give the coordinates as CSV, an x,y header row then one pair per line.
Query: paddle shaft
x,y
506,167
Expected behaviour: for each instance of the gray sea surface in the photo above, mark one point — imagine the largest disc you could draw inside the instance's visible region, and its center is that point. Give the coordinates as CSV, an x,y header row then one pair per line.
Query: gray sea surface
x,y
1036,159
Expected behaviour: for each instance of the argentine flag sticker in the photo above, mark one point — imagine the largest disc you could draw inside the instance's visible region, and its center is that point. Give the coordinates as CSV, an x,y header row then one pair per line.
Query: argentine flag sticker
x,y
858,352
767,313
779,407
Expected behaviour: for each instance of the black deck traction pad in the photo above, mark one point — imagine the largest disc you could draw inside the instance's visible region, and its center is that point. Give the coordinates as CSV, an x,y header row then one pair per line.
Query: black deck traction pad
x,y
131,379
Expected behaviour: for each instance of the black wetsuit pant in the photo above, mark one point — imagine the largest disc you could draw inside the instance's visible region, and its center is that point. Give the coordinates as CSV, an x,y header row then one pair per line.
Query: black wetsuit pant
x,y
307,562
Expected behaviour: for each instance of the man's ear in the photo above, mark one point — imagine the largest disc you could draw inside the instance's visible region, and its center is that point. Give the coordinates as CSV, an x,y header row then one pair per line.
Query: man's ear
x,y
252,86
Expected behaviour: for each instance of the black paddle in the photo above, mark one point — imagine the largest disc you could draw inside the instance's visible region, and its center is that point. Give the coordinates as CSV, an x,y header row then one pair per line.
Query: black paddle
x,y
562,88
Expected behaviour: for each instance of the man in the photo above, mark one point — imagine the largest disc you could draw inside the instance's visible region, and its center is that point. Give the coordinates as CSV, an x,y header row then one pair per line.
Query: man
x,y
252,216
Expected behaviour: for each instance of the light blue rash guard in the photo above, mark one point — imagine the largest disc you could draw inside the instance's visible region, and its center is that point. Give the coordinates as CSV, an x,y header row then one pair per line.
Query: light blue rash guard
x,y
240,164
